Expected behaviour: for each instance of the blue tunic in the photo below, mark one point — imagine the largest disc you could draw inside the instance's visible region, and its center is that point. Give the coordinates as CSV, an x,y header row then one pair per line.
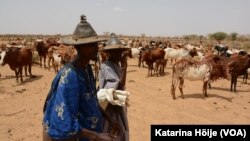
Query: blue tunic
x,y
73,104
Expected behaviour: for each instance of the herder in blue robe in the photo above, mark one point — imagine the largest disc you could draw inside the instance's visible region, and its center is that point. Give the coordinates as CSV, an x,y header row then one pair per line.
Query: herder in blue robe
x,y
71,110
113,75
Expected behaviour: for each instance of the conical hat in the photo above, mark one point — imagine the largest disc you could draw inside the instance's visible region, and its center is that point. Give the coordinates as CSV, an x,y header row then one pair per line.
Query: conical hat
x,y
83,34
114,43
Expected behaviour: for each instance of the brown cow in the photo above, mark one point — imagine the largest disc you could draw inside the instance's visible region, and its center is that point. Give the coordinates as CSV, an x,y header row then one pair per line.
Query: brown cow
x,y
68,53
17,58
50,55
42,48
151,56
238,66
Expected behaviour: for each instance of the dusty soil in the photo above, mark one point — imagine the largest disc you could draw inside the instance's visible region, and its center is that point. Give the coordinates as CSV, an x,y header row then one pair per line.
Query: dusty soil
x,y
150,103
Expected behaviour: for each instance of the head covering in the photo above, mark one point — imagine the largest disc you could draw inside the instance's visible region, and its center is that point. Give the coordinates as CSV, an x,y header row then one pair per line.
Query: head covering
x,y
114,43
83,34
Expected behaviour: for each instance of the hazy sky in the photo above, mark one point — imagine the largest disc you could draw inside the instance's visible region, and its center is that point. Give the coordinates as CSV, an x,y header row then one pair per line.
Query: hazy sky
x,y
128,17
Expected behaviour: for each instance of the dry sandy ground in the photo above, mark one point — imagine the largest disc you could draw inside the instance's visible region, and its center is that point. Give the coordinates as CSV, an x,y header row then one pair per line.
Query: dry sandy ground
x,y
150,103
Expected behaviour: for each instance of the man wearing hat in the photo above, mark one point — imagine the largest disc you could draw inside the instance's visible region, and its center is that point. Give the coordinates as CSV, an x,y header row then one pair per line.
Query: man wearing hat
x,y
71,111
112,79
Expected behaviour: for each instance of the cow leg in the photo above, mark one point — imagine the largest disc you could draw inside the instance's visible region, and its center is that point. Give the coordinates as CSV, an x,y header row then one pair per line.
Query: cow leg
x,y
150,73
142,64
21,73
160,70
173,87
16,74
44,61
209,85
40,57
204,94
25,69
139,61
165,63
163,70
152,68
180,86
30,65
235,84
149,70
232,80
49,63
54,65
245,77
156,70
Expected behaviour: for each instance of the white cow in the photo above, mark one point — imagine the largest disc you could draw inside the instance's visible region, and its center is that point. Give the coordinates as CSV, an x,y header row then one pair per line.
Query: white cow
x,y
191,70
179,53
135,52
190,47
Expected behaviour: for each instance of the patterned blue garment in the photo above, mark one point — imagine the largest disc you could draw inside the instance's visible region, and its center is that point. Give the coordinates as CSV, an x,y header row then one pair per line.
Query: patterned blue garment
x,y
72,105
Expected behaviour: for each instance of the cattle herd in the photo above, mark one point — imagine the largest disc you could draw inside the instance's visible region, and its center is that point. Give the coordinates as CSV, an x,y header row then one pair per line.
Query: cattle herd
x,y
207,63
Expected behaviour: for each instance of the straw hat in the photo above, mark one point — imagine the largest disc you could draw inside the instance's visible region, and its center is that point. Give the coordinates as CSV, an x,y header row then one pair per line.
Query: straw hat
x,y
83,34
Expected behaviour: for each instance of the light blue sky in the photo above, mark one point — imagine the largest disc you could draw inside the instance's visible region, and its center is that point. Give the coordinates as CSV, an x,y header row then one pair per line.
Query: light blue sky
x,y
129,17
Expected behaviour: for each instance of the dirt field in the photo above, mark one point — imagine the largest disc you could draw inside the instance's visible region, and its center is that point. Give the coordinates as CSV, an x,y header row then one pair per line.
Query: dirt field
x,y
150,103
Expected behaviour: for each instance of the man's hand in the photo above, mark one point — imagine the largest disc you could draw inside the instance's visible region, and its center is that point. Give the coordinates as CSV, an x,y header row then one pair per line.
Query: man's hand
x,y
116,129
103,137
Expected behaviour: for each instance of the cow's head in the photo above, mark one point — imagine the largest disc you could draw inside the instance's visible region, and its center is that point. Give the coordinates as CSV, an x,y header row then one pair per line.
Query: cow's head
x,y
8,55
